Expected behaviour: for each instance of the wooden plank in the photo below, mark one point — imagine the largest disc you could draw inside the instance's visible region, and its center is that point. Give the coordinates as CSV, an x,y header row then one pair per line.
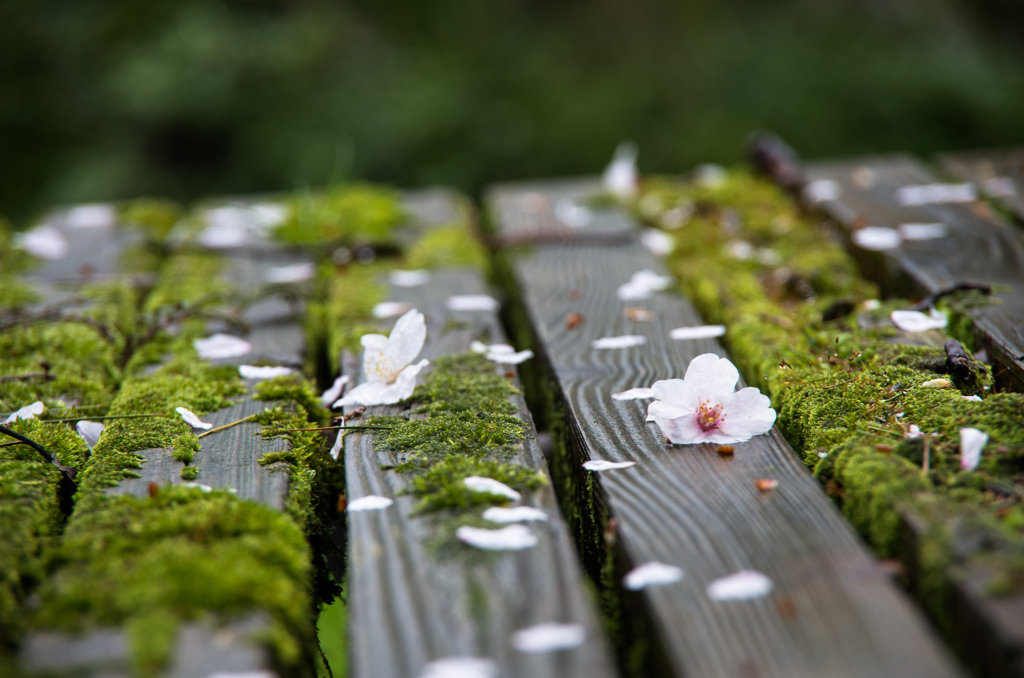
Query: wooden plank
x,y
407,606
999,173
976,249
833,611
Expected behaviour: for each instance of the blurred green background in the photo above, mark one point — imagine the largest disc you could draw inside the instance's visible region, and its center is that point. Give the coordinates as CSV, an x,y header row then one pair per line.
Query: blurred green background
x,y
103,99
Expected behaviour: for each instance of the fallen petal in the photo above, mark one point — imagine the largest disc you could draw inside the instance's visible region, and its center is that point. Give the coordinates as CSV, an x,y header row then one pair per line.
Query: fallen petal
x,y
518,514
915,321
876,238
460,667
699,332
409,278
254,372
510,358
328,397
922,231
634,394
821,191
27,412
571,214
512,538
914,431
389,309
651,574
972,398
292,273
199,486
90,432
220,345
742,585
549,638
937,383
91,216
602,465
621,178
472,302
625,341
657,242
191,419
927,194
972,441
45,242
492,486
740,250
370,502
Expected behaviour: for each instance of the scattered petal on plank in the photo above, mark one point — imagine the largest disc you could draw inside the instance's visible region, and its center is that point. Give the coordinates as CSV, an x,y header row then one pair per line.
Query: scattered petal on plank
x,y
512,538
549,638
370,502
651,574
742,585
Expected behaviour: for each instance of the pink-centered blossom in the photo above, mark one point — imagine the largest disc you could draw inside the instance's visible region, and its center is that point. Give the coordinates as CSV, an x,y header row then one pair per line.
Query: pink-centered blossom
x,y
704,406
390,376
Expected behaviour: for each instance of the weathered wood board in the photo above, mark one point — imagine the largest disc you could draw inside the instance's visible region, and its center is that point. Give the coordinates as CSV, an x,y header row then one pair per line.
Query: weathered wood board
x,y
406,605
833,610
977,248
998,172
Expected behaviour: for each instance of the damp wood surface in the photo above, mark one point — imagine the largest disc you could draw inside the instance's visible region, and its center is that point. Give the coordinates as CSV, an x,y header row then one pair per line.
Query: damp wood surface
x,y
833,610
409,603
991,169
978,248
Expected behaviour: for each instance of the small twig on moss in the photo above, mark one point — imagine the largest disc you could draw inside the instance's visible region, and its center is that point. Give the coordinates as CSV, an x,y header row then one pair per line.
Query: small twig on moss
x,y
221,428
337,428
109,416
69,471
26,377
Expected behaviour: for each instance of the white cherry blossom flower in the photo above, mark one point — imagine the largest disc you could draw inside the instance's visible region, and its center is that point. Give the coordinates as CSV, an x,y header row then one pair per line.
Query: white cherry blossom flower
x,y
27,412
390,376
704,407
651,574
90,432
370,502
621,178
549,637
971,443
191,419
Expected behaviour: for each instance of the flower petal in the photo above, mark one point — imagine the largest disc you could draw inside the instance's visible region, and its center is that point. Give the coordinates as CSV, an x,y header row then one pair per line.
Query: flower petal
x,y
651,574
549,638
291,273
621,178
971,443
460,667
370,502
45,242
90,432
339,443
98,215
510,358
252,372
748,413
602,465
711,376
657,242
821,191
371,393
927,194
634,394
972,398
876,238
334,392
915,321
518,514
922,231
406,339
512,538
389,309
699,332
742,585
191,419
491,486
676,392
625,341
221,345
472,302
409,278
27,412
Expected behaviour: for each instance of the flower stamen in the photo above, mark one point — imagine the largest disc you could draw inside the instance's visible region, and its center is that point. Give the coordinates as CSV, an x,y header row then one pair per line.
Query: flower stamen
x,y
709,417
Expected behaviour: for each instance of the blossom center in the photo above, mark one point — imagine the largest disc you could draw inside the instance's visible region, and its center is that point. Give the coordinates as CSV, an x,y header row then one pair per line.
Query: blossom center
x,y
709,417
379,368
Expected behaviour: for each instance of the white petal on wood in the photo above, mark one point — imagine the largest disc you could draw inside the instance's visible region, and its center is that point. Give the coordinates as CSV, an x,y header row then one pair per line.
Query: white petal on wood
x,y
339,442
492,486
328,397
100,215
923,231
512,538
573,215
972,441
915,321
460,667
191,419
291,273
90,432
699,332
625,341
518,514
621,177
549,638
45,242
409,278
927,194
255,372
651,574
370,502
742,585
876,238
472,302
657,242
602,465
389,309
27,412
510,358
222,345
821,191
634,394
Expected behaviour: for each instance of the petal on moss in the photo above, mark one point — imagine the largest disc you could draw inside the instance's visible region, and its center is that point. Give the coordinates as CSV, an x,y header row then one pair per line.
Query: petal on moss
x,y
491,486
27,412
972,441
253,372
90,432
191,419
219,345
915,321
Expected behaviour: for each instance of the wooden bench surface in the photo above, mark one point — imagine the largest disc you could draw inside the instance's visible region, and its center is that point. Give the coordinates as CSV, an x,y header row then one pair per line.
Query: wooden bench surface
x,y
833,612
991,170
406,606
977,248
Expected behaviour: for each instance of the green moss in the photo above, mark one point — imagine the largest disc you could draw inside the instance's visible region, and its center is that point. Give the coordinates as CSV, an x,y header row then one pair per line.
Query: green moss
x,y
157,216
189,473
350,214
447,247
440,486
185,447
295,389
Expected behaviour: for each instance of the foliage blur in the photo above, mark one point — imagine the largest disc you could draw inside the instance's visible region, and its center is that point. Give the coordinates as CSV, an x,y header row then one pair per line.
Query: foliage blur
x,y
105,99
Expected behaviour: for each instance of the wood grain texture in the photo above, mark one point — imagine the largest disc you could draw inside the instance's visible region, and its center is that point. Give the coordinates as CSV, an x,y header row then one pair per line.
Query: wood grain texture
x,y
978,249
227,459
982,166
689,506
409,604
